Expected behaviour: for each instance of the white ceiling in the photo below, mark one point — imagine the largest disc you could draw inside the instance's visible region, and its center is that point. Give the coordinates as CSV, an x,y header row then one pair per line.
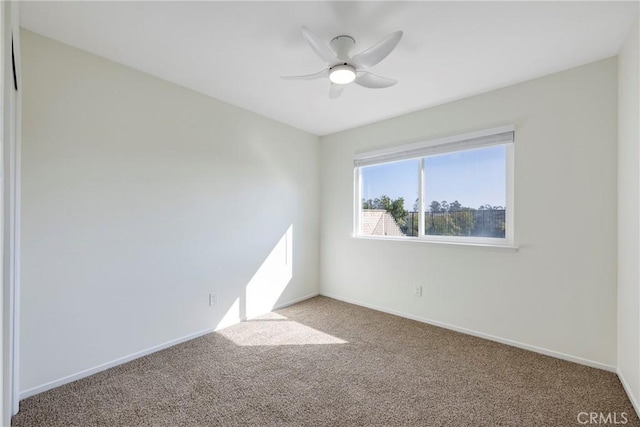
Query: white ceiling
x,y
237,51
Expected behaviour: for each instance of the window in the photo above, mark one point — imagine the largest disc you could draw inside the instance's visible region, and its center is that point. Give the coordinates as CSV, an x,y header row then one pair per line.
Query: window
x,y
388,193
455,189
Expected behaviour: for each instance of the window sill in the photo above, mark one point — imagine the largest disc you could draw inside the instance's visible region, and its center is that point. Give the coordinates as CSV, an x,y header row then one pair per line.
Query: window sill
x,y
482,245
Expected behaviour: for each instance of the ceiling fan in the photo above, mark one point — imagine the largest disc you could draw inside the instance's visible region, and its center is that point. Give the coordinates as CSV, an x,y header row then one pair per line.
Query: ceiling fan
x,y
342,68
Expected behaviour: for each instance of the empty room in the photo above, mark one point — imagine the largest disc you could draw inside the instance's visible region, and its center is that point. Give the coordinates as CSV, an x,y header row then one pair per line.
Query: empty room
x,y
321,213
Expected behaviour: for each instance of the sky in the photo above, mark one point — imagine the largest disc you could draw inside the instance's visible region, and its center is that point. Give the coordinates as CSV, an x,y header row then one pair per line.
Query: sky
x,y
473,177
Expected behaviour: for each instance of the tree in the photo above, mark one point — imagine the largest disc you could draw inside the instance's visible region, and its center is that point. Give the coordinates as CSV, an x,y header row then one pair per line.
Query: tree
x,y
416,208
444,218
449,219
465,219
394,207
435,206
490,208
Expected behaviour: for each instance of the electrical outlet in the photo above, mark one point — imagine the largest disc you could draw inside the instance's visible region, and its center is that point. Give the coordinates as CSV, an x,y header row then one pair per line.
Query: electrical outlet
x,y
417,291
213,299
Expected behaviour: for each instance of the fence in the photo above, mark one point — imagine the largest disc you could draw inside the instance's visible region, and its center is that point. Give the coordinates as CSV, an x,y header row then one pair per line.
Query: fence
x,y
477,223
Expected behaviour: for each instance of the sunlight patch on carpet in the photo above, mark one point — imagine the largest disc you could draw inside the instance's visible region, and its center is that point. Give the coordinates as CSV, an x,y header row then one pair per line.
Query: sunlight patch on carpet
x,y
271,331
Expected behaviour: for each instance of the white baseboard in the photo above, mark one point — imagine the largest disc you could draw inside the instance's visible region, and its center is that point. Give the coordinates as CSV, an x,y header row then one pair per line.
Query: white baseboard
x,y
630,395
87,372
506,341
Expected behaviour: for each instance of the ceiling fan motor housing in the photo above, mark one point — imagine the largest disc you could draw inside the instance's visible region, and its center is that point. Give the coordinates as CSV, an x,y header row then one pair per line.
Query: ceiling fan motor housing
x,y
342,46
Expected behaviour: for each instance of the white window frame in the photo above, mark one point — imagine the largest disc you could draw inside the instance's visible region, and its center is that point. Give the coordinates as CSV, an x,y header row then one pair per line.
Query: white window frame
x,y
504,135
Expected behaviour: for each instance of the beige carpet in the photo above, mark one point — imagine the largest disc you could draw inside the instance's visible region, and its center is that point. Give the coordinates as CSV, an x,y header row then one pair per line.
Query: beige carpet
x,y
326,363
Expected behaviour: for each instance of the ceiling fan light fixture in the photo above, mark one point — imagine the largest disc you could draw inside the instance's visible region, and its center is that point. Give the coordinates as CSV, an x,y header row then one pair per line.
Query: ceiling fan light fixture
x,y
342,74
343,68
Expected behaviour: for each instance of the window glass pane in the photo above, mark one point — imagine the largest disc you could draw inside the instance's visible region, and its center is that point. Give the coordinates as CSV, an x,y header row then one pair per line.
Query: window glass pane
x,y
465,193
389,199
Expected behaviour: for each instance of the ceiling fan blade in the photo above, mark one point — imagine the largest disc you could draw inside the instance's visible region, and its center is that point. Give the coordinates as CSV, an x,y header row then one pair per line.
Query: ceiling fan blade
x,y
321,48
372,81
335,90
377,53
318,75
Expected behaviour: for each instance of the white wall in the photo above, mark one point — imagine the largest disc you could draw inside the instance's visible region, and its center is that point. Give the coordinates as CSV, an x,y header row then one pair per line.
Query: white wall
x,y
557,293
141,197
629,216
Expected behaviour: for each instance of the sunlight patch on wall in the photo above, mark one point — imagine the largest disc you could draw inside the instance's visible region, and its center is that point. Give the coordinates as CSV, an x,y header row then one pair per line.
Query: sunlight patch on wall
x,y
231,317
270,280
262,292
